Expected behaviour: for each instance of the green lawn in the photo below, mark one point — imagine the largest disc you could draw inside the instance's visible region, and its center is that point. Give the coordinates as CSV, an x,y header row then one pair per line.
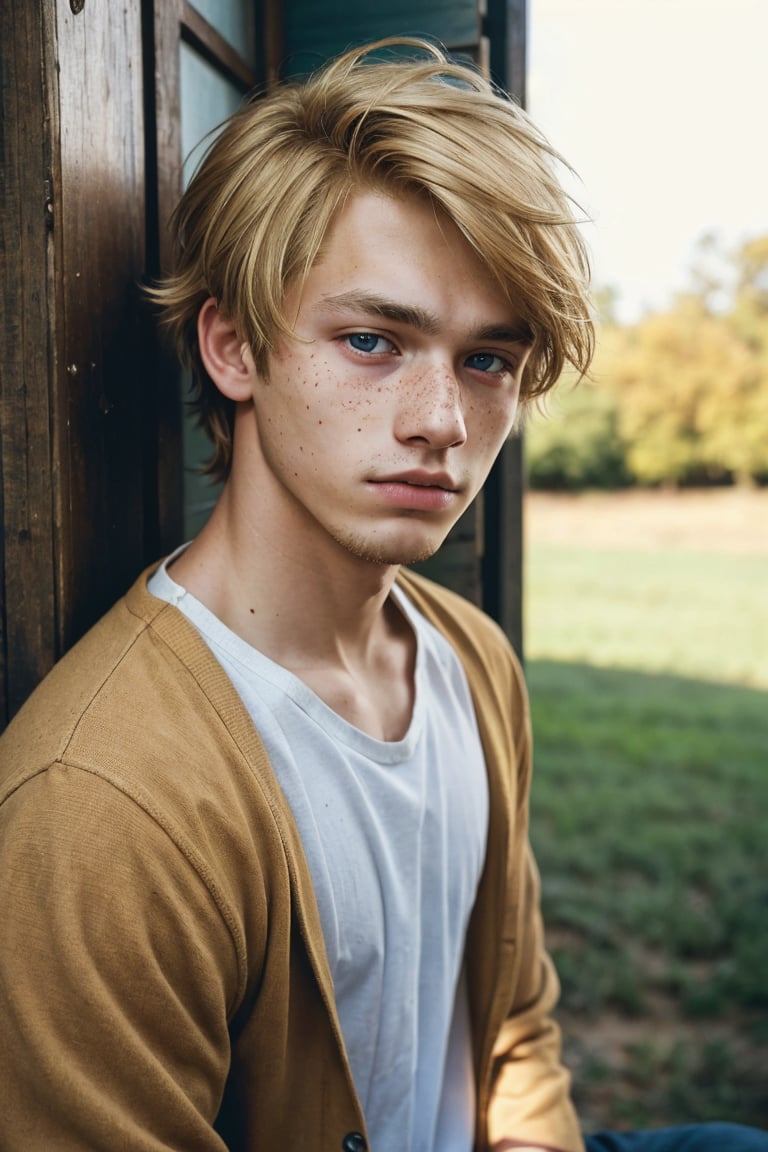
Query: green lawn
x,y
648,674
694,614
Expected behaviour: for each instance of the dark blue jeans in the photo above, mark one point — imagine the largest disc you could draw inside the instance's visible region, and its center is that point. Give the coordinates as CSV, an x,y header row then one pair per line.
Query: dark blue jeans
x,y
688,1138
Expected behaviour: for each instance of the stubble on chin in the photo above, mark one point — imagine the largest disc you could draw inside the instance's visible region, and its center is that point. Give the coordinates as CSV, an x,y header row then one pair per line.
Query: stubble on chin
x,y
385,552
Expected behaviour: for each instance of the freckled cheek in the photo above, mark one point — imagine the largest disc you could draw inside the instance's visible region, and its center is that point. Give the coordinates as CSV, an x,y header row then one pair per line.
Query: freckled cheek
x,y
318,418
487,427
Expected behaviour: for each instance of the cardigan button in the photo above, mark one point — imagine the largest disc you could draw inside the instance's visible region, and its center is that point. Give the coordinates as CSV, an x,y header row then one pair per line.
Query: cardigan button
x,y
354,1142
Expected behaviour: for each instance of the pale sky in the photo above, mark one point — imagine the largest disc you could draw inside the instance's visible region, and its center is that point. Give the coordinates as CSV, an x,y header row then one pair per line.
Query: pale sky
x,y
661,107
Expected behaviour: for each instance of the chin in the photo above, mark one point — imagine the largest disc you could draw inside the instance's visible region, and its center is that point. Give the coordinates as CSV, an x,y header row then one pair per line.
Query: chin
x,y
393,553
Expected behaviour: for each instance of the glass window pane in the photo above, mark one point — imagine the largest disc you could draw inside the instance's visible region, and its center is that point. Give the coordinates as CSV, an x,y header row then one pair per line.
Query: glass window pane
x,y
207,98
235,20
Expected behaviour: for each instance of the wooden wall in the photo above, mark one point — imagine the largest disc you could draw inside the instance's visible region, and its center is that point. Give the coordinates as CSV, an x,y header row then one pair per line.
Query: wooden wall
x,y
90,474
72,234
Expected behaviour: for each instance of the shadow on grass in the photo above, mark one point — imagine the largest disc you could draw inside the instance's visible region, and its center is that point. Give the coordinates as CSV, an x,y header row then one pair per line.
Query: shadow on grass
x,y
650,821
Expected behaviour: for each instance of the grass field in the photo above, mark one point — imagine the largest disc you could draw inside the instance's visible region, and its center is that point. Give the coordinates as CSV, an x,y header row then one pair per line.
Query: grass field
x,y
647,659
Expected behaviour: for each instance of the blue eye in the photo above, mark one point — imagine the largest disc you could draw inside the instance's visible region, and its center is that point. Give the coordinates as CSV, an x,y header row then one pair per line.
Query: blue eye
x,y
487,362
368,342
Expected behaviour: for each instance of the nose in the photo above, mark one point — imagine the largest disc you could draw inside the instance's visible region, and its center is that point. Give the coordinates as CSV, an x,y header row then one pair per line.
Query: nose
x,y
431,410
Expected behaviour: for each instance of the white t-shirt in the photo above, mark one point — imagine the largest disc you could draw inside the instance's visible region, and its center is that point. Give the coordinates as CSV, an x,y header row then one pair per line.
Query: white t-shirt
x,y
394,834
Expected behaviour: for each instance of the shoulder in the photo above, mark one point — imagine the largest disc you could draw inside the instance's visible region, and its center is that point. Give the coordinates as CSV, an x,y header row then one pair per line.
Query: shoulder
x,y
141,705
141,666
480,643
135,753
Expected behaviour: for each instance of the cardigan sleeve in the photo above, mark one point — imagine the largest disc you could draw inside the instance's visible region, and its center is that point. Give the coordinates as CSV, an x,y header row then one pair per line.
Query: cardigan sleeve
x,y
117,972
530,1098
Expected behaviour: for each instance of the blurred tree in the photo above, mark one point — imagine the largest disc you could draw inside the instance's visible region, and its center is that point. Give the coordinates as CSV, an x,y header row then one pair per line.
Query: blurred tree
x,y
577,444
681,397
711,274
750,308
683,381
606,299
750,320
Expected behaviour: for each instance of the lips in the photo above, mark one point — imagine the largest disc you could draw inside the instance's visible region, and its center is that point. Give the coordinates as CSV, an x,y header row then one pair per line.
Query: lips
x,y
416,491
419,479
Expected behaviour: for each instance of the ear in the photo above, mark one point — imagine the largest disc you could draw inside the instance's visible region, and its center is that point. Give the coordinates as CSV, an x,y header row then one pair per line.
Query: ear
x,y
227,358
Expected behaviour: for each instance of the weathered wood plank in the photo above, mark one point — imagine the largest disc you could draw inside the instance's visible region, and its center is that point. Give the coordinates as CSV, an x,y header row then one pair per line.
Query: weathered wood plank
x,y
165,182
27,597
98,378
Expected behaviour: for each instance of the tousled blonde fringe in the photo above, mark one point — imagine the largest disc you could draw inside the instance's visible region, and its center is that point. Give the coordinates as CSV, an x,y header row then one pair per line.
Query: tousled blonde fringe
x,y
254,216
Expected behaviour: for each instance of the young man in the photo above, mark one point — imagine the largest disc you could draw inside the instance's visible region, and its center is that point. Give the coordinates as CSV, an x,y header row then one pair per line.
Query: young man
x,y
264,830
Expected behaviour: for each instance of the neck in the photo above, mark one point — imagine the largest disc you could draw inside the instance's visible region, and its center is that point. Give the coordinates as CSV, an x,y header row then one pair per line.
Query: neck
x,y
315,603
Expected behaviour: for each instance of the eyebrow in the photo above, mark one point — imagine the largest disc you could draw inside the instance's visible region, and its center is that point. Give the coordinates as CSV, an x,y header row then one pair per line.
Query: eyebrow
x,y
420,318
502,334
376,305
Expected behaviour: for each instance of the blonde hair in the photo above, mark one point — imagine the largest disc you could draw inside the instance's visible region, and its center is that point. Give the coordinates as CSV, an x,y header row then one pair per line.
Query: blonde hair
x,y
254,216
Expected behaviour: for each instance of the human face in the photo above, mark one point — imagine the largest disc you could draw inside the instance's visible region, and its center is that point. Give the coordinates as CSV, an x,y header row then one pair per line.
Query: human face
x,y
379,422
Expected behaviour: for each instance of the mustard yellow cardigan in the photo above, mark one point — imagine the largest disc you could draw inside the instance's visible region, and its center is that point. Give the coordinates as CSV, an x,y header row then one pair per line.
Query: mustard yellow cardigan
x,y
163,979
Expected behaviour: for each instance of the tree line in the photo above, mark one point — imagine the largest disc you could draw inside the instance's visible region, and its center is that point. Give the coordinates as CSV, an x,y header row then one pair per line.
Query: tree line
x,y
678,398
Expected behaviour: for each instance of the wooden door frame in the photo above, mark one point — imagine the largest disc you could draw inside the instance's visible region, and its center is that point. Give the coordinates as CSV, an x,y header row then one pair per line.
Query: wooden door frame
x,y
168,24
506,28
